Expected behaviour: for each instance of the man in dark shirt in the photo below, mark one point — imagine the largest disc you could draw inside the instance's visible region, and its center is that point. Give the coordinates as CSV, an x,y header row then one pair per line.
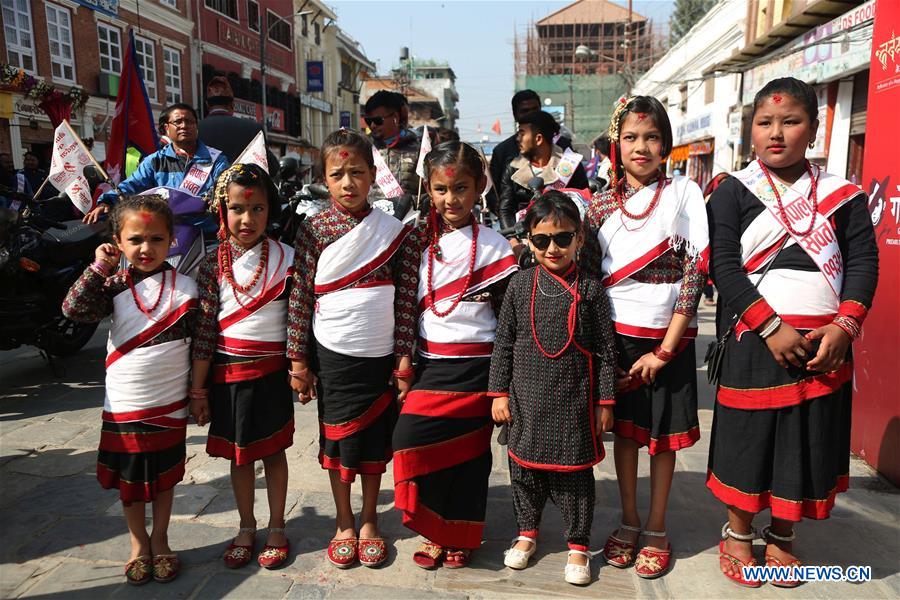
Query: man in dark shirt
x,y
221,129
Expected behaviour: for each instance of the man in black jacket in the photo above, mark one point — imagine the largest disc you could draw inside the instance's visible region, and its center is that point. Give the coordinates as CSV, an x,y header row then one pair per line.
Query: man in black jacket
x,y
221,129
539,157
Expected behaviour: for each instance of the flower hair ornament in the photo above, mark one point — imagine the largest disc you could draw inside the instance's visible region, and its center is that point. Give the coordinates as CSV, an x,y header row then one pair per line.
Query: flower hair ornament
x,y
613,133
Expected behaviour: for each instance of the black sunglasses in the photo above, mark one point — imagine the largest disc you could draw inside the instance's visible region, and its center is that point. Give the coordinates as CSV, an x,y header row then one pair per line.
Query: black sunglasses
x,y
377,121
541,241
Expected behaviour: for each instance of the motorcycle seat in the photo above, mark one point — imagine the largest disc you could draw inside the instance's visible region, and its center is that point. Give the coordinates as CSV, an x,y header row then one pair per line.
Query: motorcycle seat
x,y
75,232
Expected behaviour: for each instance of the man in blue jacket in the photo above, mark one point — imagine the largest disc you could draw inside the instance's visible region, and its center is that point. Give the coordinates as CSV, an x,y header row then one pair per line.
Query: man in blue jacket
x,y
185,162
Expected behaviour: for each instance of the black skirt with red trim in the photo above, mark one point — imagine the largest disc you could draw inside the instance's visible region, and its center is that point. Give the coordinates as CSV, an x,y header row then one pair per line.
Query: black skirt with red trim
x,y
250,420
357,412
780,437
140,460
663,415
442,451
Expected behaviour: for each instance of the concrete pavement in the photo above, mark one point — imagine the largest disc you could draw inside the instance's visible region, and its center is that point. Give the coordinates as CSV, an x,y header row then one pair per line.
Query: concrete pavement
x,y
62,535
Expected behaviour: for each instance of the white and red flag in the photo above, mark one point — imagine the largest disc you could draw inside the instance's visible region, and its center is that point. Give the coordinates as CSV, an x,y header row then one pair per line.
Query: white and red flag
x,y
255,153
67,164
424,149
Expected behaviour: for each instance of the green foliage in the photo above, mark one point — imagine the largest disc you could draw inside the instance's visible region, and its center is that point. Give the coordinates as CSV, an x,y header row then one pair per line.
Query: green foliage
x,y
686,15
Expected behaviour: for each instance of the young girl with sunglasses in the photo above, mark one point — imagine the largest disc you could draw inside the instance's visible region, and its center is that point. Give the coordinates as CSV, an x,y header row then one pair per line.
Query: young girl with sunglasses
x,y
553,380
653,238
781,430
442,441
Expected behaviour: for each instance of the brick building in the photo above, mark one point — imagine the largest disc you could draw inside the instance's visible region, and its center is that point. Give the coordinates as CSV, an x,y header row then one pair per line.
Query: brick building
x,y
83,44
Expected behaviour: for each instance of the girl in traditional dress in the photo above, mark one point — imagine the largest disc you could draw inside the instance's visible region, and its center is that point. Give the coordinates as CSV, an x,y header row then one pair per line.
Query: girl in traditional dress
x,y
553,380
241,335
442,442
351,327
654,241
142,441
781,429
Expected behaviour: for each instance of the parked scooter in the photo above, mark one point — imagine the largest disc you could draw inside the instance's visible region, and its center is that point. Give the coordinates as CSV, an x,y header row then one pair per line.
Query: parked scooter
x,y
40,259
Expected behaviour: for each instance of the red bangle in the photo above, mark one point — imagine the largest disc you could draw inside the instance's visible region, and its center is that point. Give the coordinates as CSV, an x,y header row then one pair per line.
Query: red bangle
x,y
850,326
404,373
663,354
199,393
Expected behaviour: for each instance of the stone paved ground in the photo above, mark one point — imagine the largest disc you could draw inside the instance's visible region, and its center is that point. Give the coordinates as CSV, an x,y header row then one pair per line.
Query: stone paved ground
x,y
62,535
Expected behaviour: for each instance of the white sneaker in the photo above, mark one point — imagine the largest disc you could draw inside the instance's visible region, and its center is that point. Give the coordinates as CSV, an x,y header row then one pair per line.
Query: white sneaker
x,y
518,559
579,574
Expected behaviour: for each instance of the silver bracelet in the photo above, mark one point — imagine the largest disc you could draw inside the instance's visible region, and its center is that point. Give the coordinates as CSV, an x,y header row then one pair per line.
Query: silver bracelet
x,y
770,328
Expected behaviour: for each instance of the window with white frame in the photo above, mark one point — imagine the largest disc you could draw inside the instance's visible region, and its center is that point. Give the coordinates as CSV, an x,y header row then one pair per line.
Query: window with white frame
x,y
253,15
146,58
62,53
171,3
110,40
225,7
172,64
18,34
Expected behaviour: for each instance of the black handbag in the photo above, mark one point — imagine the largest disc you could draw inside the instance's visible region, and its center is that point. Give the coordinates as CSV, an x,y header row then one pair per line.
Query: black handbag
x,y
715,352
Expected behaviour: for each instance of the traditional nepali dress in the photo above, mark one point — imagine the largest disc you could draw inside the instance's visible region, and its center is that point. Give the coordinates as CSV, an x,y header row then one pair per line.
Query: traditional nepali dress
x,y
142,441
554,356
251,402
442,441
781,437
351,313
652,268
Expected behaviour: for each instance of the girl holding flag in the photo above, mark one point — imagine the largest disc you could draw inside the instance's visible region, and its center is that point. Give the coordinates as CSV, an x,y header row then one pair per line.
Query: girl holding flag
x,y
653,238
442,454
142,441
781,430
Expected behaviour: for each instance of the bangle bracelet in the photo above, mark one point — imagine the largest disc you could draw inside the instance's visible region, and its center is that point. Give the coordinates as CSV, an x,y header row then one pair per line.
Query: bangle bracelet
x,y
199,393
403,374
850,325
663,354
299,373
770,328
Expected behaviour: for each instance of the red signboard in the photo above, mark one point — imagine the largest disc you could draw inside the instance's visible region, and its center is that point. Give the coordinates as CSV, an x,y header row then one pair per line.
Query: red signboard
x,y
876,402
253,110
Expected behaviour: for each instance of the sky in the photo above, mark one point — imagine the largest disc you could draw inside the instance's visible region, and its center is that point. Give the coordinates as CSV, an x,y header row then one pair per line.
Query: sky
x,y
474,37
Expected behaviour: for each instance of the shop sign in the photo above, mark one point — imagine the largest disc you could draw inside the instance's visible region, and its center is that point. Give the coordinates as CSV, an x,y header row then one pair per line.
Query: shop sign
x,y
253,110
735,119
107,7
316,103
315,76
345,118
704,147
839,47
694,126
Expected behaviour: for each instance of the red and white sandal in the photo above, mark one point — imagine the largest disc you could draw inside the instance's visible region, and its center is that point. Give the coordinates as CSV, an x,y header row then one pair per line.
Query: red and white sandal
x,y
238,555
372,552
273,557
773,561
738,577
343,553
653,562
617,552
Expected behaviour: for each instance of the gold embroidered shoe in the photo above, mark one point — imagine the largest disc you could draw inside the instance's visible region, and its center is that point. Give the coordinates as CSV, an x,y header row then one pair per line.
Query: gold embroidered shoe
x,y
138,570
166,567
273,557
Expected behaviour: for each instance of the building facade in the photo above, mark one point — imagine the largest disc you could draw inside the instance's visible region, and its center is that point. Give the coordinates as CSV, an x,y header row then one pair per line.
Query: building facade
x,y
82,44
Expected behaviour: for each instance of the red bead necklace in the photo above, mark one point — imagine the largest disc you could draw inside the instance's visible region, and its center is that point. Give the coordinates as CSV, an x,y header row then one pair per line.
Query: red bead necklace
x,y
570,318
662,181
137,299
813,197
434,251
225,267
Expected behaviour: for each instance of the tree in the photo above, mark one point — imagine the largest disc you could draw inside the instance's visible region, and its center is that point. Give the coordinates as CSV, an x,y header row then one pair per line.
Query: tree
x,y
686,15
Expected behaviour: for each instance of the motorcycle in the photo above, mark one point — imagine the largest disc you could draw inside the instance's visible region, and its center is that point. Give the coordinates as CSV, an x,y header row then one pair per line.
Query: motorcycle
x,y
40,259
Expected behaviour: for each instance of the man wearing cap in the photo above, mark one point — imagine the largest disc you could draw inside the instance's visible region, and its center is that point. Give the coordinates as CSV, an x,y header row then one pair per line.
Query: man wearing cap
x,y
221,129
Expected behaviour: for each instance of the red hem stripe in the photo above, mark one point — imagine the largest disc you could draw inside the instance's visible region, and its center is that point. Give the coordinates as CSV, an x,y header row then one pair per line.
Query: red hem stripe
x,y
151,332
348,475
654,333
559,468
789,510
421,460
456,349
795,321
424,521
242,455
144,413
757,314
636,265
260,346
664,443
485,273
246,371
786,395
139,491
364,270
451,405
338,432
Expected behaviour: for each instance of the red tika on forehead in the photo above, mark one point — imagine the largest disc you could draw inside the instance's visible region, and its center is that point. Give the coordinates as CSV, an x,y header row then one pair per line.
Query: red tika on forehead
x,y
641,116
344,154
248,192
449,171
146,217
776,99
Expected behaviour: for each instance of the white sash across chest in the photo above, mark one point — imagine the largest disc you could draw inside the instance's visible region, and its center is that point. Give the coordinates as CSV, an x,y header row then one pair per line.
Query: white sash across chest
x,y
678,221
358,320
145,382
469,330
259,326
198,173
